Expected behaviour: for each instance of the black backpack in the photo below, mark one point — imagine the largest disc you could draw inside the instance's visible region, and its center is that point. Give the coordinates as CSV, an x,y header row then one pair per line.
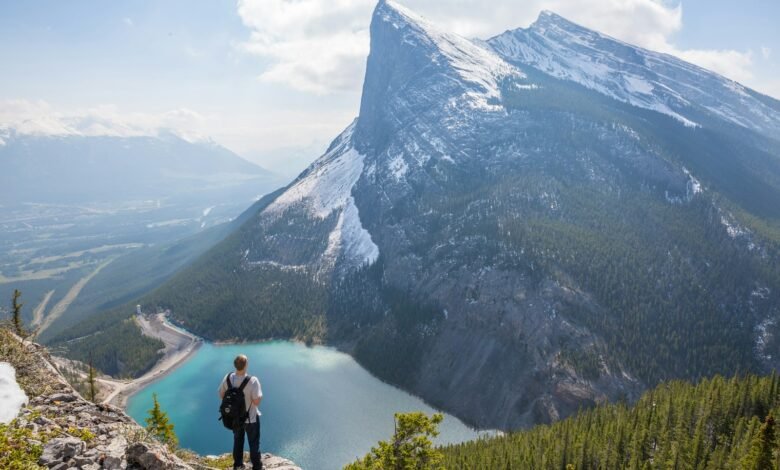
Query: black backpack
x,y
232,411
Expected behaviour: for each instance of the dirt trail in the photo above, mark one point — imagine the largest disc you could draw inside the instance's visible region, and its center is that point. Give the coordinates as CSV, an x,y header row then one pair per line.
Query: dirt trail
x,y
74,292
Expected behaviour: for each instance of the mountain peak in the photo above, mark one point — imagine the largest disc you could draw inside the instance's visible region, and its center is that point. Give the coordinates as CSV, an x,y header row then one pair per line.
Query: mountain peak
x,y
475,63
389,7
392,10
550,20
658,82
409,56
548,15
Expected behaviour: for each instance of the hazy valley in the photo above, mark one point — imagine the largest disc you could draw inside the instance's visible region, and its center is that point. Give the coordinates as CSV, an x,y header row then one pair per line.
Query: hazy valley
x,y
80,230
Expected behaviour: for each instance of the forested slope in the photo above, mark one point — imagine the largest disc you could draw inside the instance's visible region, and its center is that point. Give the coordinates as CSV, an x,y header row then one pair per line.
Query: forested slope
x,y
718,423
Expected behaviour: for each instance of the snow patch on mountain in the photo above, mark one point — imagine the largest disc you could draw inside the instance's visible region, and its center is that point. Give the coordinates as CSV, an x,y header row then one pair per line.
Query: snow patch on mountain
x,y
12,397
327,187
398,167
350,240
327,184
638,85
564,62
763,337
732,228
694,185
739,232
761,292
630,74
476,64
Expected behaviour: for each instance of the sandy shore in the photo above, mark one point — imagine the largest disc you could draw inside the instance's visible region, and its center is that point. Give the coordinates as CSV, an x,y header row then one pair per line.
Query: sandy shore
x,y
180,345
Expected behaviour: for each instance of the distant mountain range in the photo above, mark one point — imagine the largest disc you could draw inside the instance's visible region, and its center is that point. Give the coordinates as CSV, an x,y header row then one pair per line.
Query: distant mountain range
x,y
515,228
78,169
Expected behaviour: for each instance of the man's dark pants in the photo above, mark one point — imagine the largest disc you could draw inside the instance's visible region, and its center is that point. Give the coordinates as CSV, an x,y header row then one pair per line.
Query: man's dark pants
x,y
252,431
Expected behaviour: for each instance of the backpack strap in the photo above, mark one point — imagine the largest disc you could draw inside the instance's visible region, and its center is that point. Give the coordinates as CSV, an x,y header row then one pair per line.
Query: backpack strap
x,y
243,384
227,379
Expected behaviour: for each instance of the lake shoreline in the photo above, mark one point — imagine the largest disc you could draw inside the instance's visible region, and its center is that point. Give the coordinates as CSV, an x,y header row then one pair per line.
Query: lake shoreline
x,y
321,408
158,325
180,346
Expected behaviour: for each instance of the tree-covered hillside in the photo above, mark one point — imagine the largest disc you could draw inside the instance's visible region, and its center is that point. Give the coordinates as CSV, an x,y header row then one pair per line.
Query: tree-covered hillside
x,y
114,343
717,424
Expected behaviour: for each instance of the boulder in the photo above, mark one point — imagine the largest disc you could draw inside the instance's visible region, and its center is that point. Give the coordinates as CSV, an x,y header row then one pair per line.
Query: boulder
x,y
153,457
83,460
273,462
112,454
63,397
43,421
61,450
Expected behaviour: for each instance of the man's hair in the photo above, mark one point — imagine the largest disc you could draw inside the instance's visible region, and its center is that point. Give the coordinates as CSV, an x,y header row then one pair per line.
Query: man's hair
x,y
240,362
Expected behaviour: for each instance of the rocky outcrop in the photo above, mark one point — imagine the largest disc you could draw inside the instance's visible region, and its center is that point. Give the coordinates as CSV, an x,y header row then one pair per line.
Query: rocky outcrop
x,y
79,434
75,433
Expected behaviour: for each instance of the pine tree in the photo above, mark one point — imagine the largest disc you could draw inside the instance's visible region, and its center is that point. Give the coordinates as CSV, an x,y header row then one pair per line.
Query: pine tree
x,y
760,456
698,450
410,446
677,425
17,314
91,380
158,425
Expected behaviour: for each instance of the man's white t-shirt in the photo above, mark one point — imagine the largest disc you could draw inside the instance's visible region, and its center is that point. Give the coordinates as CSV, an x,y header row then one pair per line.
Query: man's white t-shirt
x,y
252,392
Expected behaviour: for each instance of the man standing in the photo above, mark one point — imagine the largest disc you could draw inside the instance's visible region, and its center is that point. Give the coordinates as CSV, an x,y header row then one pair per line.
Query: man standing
x,y
253,394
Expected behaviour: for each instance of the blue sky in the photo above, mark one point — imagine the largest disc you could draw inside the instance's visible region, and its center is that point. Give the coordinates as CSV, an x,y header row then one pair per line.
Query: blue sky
x,y
275,79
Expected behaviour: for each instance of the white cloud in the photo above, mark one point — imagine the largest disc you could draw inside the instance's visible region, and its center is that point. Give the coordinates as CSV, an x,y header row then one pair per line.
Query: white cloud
x,y
128,22
284,141
312,45
732,64
766,52
320,46
773,89
41,118
769,87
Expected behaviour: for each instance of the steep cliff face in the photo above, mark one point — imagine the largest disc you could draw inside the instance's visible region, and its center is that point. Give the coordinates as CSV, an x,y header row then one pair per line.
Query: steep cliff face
x,y
445,143
58,429
512,242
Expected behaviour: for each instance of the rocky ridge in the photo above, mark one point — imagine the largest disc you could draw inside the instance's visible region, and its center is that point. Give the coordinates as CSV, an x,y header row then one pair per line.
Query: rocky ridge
x,y
70,432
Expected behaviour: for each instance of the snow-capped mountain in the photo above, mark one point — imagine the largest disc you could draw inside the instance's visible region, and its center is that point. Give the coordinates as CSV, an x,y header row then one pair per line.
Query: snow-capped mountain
x,y
642,78
508,243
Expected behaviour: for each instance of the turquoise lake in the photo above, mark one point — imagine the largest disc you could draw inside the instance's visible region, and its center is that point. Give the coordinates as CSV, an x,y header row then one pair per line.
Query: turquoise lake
x,y
320,408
